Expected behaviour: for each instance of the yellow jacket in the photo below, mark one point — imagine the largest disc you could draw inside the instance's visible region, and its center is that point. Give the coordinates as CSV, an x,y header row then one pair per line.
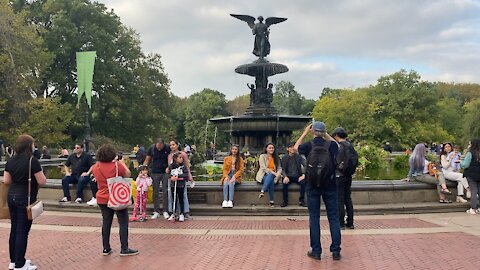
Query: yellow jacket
x,y
227,167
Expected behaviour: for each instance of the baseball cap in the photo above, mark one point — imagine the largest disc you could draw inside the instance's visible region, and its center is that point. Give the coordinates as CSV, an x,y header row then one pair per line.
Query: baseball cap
x,y
339,130
319,126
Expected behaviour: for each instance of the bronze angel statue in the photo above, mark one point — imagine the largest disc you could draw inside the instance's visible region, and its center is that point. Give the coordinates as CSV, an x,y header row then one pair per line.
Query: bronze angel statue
x,y
261,46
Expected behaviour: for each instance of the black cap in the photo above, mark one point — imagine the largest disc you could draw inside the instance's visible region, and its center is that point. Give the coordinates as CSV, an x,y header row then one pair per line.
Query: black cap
x,y
339,130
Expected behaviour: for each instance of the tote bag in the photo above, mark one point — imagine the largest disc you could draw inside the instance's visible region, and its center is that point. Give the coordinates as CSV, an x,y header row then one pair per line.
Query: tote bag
x,y
119,191
4,212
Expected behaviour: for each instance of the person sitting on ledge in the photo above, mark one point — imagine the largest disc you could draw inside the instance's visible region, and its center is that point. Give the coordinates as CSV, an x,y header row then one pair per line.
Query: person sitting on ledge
x,y
419,172
233,167
81,164
292,173
270,172
447,157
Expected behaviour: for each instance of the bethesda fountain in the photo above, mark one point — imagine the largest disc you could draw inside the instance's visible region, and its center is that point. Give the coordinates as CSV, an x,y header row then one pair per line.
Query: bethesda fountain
x,y
260,123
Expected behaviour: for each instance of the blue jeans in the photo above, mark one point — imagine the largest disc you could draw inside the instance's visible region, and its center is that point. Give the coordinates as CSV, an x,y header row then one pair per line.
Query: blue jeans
x,y
329,195
20,227
186,205
81,182
302,189
228,189
269,185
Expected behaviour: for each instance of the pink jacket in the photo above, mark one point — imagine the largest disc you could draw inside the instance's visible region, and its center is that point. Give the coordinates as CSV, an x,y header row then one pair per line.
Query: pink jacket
x,y
143,183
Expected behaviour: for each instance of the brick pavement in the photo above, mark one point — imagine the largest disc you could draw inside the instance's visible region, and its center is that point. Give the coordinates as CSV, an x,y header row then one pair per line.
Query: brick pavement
x,y
81,250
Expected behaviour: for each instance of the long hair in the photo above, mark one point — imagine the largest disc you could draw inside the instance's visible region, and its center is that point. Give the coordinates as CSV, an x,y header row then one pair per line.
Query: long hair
x,y
443,152
237,156
23,145
417,159
276,158
475,149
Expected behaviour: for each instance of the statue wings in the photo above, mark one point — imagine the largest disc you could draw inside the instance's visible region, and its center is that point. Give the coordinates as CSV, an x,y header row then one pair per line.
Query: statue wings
x,y
251,20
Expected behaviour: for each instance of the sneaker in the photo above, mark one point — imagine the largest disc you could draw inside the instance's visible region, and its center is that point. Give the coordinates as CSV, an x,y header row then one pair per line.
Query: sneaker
x,y
79,200
106,252
313,256
230,204
128,252
272,204
11,266
165,215
460,199
351,227
155,215
469,194
171,218
188,217
261,194
181,218
302,204
284,204
224,204
336,255
63,200
27,266
92,202
472,211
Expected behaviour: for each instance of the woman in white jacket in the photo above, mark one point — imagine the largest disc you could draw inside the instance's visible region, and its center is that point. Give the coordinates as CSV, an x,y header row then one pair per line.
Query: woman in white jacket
x,y
270,172
447,158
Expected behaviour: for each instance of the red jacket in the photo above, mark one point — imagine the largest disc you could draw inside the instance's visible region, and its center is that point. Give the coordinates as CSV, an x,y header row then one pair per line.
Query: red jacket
x,y
102,171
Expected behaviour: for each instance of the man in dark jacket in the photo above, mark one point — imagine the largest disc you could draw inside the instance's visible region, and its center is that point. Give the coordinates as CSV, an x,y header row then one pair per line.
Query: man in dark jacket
x,y
327,192
292,164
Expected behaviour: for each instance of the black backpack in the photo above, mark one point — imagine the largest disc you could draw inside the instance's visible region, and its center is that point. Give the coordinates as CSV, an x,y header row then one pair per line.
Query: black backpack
x,y
319,165
347,159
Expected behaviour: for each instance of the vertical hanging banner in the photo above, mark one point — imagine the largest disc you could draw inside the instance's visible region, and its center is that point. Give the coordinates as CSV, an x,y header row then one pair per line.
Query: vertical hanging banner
x,y
85,67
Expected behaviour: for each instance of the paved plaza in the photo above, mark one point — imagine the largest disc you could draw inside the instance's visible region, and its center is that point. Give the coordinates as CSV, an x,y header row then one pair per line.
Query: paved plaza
x,y
426,241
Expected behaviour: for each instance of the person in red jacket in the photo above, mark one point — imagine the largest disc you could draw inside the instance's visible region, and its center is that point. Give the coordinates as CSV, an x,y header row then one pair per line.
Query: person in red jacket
x,y
106,167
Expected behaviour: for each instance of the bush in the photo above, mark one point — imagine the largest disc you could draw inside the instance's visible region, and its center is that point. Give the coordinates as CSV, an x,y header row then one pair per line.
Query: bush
x,y
401,162
372,157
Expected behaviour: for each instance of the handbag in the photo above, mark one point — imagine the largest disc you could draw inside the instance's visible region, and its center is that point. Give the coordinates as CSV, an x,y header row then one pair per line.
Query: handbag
x,y
119,191
35,209
4,212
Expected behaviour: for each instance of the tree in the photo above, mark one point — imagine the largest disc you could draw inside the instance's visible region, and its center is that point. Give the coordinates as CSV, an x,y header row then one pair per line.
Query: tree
x,y
22,63
200,107
238,105
286,100
471,120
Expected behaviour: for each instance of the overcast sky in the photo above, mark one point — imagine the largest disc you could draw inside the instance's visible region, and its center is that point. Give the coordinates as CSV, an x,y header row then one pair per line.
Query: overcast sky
x,y
334,43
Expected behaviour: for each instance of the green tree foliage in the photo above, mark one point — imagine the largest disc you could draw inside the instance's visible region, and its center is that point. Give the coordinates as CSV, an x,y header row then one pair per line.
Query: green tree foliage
x,y
47,121
288,101
200,107
22,63
400,109
238,105
471,120
131,97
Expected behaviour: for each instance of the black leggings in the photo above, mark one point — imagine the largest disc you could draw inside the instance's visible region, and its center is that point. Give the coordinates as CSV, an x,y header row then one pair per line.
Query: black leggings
x,y
122,216
179,198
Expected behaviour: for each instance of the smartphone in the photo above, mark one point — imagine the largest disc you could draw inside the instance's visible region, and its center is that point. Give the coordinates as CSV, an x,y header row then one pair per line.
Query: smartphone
x,y
119,155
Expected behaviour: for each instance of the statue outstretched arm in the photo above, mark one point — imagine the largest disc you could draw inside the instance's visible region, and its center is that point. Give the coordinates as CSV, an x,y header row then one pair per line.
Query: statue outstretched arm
x,y
246,18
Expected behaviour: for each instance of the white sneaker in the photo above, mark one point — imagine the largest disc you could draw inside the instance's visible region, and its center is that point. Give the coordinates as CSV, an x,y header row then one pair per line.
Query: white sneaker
x,y
224,204
181,218
11,266
155,215
469,194
166,215
229,204
63,200
27,266
460,199
79,200
171,218
471,211
92,202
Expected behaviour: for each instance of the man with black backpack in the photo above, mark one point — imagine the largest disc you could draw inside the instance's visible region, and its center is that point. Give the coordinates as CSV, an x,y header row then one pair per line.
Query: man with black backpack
x,y
347,162
321,154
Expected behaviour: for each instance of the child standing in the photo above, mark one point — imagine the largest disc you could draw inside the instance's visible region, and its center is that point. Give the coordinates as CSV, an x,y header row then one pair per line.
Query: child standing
x,y
143,182
178,175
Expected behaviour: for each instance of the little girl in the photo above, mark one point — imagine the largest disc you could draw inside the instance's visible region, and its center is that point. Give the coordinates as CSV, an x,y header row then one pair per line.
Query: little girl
x,y
143,182
178,174
455,161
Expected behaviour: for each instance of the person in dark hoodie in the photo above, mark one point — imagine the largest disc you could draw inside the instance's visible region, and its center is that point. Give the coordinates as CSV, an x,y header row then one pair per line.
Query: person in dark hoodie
x,y
292,164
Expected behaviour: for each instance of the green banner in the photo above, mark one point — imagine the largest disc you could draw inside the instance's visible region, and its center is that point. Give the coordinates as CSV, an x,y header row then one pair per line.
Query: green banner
x,y
85,66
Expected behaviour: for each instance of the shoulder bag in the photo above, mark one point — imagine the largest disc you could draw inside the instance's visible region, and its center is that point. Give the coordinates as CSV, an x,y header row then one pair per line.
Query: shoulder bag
x,y
35,209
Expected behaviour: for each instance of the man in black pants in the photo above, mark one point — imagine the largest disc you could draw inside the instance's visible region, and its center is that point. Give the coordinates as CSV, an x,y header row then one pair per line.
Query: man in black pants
x,y
158,155
343,179
292,164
